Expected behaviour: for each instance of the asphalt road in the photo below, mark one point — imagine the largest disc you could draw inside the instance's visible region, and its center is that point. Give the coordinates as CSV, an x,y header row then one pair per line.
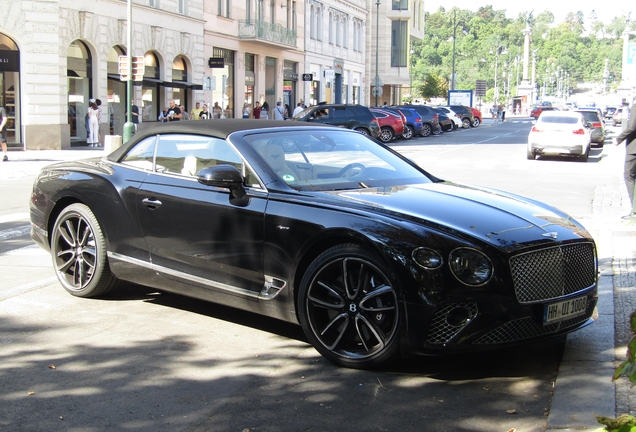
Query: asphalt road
x,y
147,361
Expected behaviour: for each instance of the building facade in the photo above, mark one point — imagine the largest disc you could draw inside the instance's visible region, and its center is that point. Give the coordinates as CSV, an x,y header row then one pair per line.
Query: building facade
x,y
394,24
60,54
255,53
335,45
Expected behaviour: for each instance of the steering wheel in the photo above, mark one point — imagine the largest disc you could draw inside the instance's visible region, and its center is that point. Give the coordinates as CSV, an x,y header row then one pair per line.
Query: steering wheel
x,y
351,167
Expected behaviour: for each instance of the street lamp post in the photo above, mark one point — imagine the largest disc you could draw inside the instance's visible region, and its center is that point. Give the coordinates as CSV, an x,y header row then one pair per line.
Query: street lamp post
x,y
496,92
454,37
377,41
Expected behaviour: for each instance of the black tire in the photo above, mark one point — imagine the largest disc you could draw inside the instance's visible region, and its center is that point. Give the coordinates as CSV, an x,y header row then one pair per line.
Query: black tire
x,y
476,122
427,129
386,134
78,249
465,122
586,155
408,132
530,155
348,308
363,131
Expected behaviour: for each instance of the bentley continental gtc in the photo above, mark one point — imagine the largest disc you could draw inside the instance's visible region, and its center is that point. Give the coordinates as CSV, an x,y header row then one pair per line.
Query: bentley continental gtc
x,y
320,226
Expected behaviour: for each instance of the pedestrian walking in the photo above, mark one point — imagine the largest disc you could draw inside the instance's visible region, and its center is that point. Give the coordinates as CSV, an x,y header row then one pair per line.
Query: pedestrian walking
x,y
629,136
265,111
93,125
3,133
279,111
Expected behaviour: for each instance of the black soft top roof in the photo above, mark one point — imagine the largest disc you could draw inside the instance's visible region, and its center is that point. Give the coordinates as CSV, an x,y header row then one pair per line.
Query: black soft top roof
x,y
220,128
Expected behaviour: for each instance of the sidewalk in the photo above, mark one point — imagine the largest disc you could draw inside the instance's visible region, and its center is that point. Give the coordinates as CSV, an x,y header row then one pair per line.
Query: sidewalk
x,y
583,385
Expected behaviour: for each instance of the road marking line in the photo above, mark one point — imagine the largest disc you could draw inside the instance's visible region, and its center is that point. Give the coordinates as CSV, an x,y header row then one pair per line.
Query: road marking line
x,y
15,232
22,289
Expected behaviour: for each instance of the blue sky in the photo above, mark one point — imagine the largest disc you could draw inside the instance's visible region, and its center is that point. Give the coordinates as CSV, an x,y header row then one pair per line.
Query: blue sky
x,y
559,8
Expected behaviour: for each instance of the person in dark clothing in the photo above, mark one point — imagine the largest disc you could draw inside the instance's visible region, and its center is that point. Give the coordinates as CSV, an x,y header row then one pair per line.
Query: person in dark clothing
x,y
629,136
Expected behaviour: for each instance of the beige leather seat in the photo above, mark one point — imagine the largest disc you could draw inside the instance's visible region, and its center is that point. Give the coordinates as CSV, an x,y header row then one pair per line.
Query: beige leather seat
x,y
275,157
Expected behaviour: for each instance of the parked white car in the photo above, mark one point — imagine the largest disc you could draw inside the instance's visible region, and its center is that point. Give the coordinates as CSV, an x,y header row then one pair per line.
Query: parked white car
x,y
455,118
560,133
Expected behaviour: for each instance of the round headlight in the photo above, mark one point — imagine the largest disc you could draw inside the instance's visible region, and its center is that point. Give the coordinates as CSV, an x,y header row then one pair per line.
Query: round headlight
x,y
470,266
427,258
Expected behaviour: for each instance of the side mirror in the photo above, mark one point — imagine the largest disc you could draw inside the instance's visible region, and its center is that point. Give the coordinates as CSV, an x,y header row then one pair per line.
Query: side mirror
x,y
225,176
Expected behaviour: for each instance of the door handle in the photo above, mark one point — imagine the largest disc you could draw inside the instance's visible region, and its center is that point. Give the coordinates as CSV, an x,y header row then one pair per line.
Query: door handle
x,y
151,203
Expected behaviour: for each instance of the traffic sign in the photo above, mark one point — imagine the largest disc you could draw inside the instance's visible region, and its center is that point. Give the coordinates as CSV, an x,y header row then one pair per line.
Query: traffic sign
x,y
377,82
138,68
376,91
209,83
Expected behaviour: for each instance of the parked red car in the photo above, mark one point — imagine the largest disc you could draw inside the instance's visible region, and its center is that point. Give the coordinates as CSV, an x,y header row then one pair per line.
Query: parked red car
x,y
477,119
391,125
536,111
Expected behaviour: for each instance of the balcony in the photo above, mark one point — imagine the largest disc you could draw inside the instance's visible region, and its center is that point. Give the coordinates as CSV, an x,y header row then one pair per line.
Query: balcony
x,y
261,31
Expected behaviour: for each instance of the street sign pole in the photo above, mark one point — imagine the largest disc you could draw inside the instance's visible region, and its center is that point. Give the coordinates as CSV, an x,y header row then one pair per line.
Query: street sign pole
x,y
129,127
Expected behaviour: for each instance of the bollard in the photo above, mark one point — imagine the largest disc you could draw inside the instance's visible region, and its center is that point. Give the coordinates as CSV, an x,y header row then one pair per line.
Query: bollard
x,y
112,143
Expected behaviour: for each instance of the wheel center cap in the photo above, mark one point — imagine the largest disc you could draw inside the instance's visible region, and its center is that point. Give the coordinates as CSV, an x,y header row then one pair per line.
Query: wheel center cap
x,y
353,308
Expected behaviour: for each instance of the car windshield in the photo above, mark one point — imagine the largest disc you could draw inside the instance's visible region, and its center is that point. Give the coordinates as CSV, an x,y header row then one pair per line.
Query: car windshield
x,y
332,160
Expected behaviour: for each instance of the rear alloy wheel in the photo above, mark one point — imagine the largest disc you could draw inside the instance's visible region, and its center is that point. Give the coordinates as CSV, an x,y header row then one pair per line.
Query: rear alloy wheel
x,y
386,134
408,132
78,249
348,308
427,129
465,122
476,122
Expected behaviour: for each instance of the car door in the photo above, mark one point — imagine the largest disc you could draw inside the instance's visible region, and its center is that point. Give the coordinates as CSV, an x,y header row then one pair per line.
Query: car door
x,y
196,233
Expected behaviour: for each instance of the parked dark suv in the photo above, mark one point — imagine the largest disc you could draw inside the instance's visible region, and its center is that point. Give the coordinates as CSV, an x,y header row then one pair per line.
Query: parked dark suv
x,y
466,113
356,117
430,119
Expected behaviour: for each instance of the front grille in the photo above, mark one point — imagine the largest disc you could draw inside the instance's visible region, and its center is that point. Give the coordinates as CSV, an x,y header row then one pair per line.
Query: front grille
x,y
553,272
441,331
527,328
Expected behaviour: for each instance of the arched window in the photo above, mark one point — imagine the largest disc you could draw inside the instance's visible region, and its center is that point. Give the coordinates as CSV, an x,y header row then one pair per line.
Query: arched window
x,y
312,22
10,88
80,89
319,23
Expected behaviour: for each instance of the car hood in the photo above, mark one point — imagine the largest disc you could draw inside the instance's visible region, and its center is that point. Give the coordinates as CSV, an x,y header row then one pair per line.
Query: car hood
x,y
502,219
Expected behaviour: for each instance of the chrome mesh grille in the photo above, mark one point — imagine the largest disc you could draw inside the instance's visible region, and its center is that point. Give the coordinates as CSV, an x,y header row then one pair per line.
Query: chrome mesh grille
x,y
441,331
553,272
527,328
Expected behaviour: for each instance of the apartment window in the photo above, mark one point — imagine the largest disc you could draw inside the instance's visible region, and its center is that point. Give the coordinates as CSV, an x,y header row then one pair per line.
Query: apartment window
x,y
272,11
224,8
345,32
338,31
181,6
319,23
399,43
153,3
248,10
332,30
400,5
293,15
259,10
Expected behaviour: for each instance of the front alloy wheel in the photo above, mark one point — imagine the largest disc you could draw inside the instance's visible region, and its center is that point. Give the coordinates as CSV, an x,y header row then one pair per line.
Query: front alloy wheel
x,y
78,249
427,129
348,308
386,134
408,132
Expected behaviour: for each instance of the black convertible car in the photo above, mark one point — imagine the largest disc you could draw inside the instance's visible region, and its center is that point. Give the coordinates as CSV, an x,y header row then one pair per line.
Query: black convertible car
x,y
321,226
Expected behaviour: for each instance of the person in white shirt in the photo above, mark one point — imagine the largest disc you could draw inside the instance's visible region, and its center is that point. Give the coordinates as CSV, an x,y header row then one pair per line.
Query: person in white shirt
x,y
298,108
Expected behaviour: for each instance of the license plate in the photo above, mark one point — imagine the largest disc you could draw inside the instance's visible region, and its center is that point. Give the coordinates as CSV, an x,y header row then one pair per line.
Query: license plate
x,y
560,311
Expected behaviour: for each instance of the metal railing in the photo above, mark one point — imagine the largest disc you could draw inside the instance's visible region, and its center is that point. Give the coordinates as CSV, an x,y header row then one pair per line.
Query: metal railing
x,y
261,30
